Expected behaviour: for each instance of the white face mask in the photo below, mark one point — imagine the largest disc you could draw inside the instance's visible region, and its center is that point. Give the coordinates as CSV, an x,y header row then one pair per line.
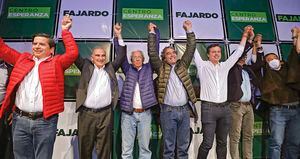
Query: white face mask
x,y
274,64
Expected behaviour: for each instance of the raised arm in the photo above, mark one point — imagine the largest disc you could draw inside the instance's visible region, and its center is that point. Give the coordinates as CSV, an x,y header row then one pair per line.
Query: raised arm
x,y
71,53
191,44
79,63
7,53
248,31
121,49
154,59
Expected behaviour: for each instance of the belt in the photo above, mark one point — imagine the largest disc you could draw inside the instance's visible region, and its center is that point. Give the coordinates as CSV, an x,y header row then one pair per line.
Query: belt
x,y
286,106
224,104
176,108
244,103
138,110
94,110
30,115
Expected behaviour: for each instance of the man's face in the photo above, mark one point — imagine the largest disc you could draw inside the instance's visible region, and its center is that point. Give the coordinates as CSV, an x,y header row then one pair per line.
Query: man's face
x,y
170,56
41,47
270,57
137,59
99,57
214,54
242,60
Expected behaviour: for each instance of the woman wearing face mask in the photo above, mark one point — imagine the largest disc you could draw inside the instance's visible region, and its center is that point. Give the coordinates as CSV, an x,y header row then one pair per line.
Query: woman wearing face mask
x,y
284,116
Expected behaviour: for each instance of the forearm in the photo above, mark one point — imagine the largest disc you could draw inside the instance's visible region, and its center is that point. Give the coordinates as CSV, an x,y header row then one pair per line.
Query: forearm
x,y
7,53
190,49
71,53
152,52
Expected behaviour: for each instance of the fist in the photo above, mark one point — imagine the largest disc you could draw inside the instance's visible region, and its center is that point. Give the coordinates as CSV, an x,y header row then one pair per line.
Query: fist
x,y
295,31
118,29
257,40
249,30
151,27
66,22
187,25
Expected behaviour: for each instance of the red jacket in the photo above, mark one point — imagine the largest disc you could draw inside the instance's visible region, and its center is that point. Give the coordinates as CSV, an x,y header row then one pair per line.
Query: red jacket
x,y
51,74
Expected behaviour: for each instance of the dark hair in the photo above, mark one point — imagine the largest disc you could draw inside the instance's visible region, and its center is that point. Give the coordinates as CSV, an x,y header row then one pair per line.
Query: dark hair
x,y
211,46
50,39
162,55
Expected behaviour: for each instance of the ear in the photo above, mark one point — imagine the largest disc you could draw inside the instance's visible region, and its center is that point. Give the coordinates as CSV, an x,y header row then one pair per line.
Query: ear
x,y
52,51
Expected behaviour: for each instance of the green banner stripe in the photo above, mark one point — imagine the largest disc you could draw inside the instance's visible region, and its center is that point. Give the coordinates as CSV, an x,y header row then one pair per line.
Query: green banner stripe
x,y
142,14
28,12
253,17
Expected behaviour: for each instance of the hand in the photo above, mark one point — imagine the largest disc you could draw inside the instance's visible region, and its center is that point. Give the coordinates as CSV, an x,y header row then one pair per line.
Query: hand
x,y
187,25
294,31
151,27
66,22
118,30
257,40
248,31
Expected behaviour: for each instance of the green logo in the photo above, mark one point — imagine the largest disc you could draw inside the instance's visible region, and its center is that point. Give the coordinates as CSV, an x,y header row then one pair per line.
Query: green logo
x,y
142,14
248,17
72,71
28,13
287,18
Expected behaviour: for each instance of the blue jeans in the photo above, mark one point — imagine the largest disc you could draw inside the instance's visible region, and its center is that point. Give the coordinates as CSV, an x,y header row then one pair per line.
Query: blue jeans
x,y
33,139
284,122
130,124
175,125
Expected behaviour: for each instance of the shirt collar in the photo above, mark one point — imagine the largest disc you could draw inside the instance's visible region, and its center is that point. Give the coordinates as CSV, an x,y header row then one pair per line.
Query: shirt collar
x,y
41,59
97,68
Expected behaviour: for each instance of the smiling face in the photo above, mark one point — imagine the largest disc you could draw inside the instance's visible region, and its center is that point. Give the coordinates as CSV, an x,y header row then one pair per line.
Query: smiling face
x,y
98,57
170,56
137,59
41,47
214,54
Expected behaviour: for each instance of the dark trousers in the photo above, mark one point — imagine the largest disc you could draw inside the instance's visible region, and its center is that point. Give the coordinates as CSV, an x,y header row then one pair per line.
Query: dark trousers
x,y
215,118
6,150
95,130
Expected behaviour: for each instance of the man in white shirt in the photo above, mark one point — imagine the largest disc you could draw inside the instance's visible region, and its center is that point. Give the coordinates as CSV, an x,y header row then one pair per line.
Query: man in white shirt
x,y
215,111
176,95
96,97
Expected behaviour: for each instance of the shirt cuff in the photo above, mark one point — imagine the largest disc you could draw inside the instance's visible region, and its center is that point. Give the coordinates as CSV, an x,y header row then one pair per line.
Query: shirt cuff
x,y
121,42
152,32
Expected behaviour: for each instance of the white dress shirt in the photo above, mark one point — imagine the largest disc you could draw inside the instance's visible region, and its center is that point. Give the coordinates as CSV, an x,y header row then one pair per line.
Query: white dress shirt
x,y
176,94
213,78
29,95
246,87
137,102
99,89
3,81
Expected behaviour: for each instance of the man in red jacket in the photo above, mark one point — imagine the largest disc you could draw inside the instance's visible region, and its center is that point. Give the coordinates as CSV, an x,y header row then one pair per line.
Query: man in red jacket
x,y
36,89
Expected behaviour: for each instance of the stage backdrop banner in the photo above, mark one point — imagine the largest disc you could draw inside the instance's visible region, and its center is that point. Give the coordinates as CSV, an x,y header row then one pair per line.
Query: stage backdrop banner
x,y
91,18
136,15
21,19
287,15
205,15
257,13
285,50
